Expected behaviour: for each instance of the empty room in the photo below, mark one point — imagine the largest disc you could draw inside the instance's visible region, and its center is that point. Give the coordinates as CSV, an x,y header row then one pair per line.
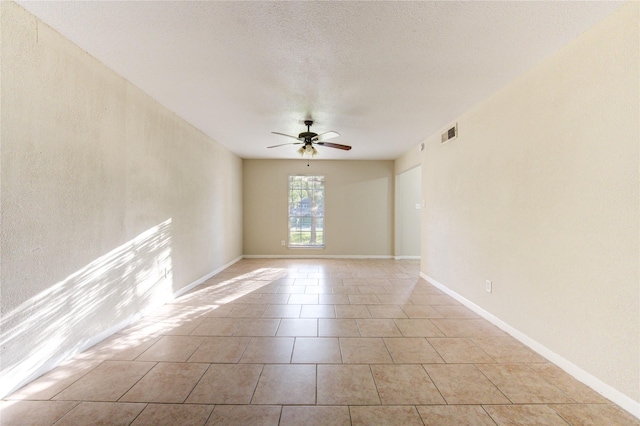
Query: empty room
x,y
319,213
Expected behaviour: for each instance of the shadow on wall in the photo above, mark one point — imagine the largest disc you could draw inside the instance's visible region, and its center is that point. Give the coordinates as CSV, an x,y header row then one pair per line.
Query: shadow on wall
x,y
67,316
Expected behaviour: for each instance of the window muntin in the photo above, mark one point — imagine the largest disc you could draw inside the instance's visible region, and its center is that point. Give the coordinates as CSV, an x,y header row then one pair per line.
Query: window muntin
x,y
306,211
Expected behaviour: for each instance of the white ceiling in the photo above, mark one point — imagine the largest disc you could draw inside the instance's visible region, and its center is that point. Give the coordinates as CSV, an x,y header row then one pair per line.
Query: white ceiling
x,y
385,75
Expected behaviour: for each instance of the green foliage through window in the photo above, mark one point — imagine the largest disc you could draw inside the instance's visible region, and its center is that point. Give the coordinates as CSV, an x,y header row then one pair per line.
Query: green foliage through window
x,y
306,211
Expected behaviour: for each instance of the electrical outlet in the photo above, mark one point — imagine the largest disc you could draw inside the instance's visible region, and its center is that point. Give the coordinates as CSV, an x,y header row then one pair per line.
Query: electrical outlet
x,y
282,243
487,286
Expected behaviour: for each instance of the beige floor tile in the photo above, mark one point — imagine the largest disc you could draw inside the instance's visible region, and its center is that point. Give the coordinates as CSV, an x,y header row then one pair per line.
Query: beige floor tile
x,y
291,289
364,299
315,416
107,382
405,385
50,384
460,350
411,350
353,281
346,289
334,299
268,350
507,350
247,298
102,413
333,320
120,347
20,413
453,327
321,350
282,311
522,385
248,311
418,327
216,327
372,289
163,326
464,384
525,415
255,326
394,299
421,311
218,311
307,281
277,381
449,311
455,415
303,299
254,415
226,384
378,328
220,349
386,311
385,416
298,328
338,328
171,349
318,311
352,311
166,382
595,415
174,414
371,350
577,391
274,299
346,385
318,289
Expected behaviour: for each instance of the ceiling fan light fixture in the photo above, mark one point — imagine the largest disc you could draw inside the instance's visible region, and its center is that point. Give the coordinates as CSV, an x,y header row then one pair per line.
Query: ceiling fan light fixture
x,y
309,150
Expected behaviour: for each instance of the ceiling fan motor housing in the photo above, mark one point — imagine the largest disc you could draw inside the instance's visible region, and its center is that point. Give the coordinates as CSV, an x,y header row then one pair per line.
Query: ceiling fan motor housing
x,y
307,135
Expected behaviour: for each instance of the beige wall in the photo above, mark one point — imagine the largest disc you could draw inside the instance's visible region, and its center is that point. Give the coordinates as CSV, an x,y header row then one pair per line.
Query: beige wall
x,y
540,194
408,206
109,202
358,207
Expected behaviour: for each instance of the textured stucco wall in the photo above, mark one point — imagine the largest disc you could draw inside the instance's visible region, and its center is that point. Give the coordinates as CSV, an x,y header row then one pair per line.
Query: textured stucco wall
x,y
109,202
540,193
358,207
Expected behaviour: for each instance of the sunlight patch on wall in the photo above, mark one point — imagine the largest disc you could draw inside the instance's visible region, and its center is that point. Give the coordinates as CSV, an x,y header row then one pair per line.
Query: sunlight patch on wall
x,y
63,319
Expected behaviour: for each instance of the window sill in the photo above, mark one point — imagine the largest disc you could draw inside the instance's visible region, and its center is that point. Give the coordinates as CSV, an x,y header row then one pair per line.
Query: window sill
x,y
307,247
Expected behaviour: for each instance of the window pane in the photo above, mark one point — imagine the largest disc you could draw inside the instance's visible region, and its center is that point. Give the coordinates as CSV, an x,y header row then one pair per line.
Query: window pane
x,y
306,211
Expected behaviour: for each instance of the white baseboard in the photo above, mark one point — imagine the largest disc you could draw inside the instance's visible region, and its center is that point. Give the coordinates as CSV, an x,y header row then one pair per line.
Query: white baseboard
x,y
578,373
317,256
407,257
85,344
202,279
81,346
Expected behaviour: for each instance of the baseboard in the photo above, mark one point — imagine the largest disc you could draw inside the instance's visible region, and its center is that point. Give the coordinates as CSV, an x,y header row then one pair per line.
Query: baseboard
x,y
317,256
617,397
406,257
204,278
81,346
85,344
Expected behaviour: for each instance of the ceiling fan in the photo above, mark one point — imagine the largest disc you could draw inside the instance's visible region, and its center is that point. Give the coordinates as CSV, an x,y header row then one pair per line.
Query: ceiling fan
x,y
308,139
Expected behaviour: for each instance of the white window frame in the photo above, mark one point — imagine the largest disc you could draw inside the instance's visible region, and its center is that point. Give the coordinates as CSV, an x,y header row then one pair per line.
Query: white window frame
x,y
311,212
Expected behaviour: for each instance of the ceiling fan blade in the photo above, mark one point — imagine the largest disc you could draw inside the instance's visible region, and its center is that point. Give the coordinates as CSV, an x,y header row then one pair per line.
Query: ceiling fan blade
x,y
334,145
284,134
288,143
326,135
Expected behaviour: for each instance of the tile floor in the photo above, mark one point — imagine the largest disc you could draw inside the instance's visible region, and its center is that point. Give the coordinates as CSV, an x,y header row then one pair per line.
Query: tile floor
x,y
310,342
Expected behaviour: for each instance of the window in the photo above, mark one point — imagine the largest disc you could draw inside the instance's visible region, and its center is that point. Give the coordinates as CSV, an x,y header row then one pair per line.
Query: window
x,y
306,211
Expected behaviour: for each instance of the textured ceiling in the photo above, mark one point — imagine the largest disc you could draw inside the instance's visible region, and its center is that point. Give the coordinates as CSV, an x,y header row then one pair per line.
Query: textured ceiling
x,y
383,74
